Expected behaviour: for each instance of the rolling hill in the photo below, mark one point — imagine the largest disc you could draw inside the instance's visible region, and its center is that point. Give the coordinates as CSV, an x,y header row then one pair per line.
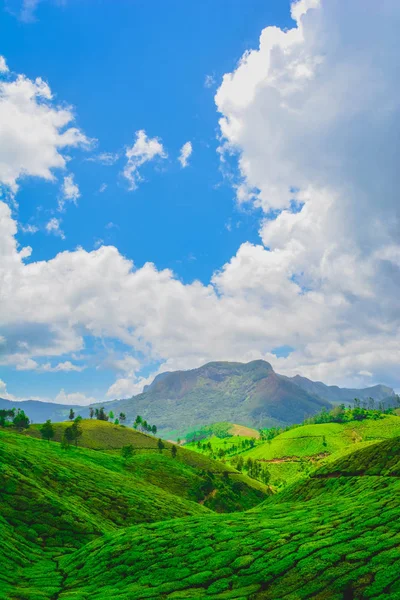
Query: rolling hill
x,y
251,394
331,536
337,395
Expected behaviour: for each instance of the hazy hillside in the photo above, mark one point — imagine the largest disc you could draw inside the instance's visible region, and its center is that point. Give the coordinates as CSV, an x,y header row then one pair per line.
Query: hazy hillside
x,y
336,395
39,412
251,394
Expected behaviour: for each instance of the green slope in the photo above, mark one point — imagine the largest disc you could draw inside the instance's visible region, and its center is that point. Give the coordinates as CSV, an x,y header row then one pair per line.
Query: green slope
x,y
332,535
342,540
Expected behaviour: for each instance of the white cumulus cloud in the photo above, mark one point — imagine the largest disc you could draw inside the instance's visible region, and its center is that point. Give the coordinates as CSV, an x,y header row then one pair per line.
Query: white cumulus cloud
x,y
69,190
54,226
34,131
185,154
3,65
143,150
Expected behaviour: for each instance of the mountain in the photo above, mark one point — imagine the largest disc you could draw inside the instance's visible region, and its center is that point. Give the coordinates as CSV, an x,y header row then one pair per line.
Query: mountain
x,y
39,412
337,395
251,394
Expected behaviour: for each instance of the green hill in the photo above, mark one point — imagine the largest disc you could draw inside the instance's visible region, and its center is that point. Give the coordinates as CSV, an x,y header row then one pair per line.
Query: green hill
x,y
293,453
340,540
252,394
82,524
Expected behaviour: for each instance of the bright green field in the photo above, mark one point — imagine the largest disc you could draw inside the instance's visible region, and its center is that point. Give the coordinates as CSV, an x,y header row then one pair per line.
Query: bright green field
x,y
332,536
83,524
308,440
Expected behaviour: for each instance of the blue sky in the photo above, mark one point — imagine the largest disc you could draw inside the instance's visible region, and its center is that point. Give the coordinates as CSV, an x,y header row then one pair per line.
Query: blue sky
x,y
145,64
266,287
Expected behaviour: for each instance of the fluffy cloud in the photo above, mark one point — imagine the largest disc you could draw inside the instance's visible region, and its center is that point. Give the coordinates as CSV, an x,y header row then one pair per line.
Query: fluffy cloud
x,y
70,192
4,393
34,131
73,398
3,65
185,154
143,150
312,115
54,226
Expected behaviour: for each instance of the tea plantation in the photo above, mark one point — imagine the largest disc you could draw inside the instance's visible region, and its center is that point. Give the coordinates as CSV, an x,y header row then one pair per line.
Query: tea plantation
x,y
81,524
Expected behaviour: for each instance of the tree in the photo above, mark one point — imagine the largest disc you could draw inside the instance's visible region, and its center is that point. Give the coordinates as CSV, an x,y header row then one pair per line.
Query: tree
x,y
102,416
67,437
154,430
72,434
127,452
138,421
240,463
144,426
178,441
21,421
122,417
96,412
174,450
47,430
116,422
160,445
5,415
71,415
111,415
91,412
265,475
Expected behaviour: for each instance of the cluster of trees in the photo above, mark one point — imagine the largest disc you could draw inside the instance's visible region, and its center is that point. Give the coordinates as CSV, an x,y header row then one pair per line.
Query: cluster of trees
x,y
361,409
143,425
254,468
14,418
102,415
228,449
71,433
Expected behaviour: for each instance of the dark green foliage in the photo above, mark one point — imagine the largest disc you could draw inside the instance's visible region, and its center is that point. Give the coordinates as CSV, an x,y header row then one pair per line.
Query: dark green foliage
x,y
71,415
174,451
160,444
47,430
20,420
127,451
6,415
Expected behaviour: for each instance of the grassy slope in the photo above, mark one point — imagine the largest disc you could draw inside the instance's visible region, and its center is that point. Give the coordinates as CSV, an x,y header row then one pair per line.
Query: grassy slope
x,y
336,533
102,435
54,501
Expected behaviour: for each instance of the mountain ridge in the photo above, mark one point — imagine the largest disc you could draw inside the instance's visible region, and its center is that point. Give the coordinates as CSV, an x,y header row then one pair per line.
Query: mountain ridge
x,y
249,393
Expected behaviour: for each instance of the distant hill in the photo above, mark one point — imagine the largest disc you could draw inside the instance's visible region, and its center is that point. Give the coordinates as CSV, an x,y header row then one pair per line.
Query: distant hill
x,y
251,394
39,412
336,395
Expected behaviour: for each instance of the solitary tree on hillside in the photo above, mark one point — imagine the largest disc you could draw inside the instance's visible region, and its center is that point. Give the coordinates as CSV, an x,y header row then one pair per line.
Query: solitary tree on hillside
x,y
67,437
111,415
5,415
138,421
71,415
91,412
127,451
174,450
160,445
122,417
47,430
116,422
102,416
154,430
21,421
